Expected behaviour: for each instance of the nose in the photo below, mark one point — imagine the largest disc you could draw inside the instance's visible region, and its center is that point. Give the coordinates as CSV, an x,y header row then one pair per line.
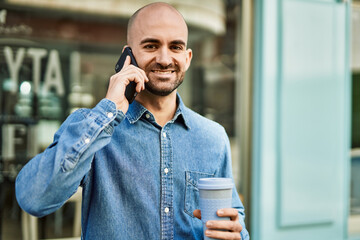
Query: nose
x,y
164,57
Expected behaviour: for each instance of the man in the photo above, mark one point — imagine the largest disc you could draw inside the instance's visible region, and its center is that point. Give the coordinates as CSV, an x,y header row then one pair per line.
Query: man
x,y
138,164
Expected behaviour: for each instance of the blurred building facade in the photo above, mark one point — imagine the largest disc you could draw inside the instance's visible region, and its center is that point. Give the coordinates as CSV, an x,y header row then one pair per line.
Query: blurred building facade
x,y
57,56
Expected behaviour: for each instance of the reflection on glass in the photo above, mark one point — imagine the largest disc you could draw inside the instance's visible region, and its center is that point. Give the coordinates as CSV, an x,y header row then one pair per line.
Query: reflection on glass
x,y
54,61
354,216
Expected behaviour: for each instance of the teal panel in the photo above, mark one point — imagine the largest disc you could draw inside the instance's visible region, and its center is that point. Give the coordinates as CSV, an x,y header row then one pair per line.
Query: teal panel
x,y
301,120
311,106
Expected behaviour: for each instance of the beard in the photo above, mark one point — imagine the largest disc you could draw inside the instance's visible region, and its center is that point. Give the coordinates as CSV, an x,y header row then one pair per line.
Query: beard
x,y
155,84
156,90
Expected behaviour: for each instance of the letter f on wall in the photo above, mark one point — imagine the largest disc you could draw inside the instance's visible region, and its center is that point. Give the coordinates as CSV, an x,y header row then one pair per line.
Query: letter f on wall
x,y
3,16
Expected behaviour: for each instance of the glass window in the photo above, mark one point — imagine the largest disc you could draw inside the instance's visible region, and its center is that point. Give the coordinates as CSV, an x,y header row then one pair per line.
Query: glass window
x,y
354,219
51,62
57,56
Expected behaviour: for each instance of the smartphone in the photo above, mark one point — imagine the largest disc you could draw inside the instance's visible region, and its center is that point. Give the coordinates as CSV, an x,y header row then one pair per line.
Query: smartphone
x,y
130,91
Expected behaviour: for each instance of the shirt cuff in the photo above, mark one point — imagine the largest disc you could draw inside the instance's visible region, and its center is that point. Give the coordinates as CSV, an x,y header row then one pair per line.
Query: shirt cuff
x,y
108,113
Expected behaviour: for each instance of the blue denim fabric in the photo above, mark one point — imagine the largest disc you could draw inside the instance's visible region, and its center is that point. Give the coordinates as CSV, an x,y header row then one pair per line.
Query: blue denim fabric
x,y
139,180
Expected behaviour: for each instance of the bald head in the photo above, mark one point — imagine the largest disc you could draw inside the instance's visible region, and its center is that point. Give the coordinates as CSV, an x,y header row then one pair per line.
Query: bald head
x,y
151,13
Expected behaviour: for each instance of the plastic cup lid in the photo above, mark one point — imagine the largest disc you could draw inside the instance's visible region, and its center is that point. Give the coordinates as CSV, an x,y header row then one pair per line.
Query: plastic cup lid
x,y
215,183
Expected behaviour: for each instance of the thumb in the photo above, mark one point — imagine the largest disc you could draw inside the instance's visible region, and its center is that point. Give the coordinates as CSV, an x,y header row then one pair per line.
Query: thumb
x,y
197,213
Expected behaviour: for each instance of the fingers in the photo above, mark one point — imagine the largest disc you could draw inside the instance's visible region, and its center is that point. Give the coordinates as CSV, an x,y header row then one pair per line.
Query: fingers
x,y
197,213
119,81
124,77
132,71
127,61
222,234
136,75
232,213
225,229
139,78
233,226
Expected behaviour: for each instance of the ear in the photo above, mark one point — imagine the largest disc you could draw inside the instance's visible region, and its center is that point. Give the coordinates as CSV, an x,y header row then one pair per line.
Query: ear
x,y
188,58
125,46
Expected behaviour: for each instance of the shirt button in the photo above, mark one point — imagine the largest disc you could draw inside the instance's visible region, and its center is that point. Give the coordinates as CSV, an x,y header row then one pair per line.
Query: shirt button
x,y
166,210
147,116
166,170
87,140
110,114
164,134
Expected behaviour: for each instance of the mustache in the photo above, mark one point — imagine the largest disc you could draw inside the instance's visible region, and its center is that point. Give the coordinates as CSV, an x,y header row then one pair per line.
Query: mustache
x,y
158,66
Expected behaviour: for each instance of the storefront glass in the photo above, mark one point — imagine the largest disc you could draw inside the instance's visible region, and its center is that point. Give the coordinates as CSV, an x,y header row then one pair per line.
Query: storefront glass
x,y
55,58
354,219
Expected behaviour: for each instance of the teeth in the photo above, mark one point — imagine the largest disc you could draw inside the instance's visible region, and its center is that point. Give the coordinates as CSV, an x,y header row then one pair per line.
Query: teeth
x,y
162,72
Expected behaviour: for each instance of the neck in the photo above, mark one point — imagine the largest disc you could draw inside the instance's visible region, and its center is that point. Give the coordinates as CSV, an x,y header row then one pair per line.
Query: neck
x,y
162,107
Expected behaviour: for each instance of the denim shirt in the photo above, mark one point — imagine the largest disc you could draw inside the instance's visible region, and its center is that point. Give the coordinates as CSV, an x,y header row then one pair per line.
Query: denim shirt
x,y
139,179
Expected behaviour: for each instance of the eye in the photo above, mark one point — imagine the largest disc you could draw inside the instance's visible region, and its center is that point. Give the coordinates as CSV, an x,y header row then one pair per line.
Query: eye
x,y
177,47
150,46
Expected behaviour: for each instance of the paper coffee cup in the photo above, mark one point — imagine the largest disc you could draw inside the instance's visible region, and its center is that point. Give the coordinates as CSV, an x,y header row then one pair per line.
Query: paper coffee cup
x,y
215,194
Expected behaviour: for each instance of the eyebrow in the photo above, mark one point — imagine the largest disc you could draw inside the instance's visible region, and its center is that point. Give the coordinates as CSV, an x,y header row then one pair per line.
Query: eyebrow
x,y
154,40
178,42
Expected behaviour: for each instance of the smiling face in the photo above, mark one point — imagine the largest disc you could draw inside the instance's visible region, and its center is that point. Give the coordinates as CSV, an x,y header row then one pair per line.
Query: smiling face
x,y
158,38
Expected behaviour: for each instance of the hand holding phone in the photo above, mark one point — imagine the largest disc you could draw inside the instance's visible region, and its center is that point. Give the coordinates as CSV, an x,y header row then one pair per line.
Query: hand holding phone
x,y
127,82
130,91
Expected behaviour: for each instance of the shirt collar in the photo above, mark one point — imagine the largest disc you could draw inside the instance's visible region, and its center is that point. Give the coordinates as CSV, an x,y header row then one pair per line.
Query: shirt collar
x,y
136,111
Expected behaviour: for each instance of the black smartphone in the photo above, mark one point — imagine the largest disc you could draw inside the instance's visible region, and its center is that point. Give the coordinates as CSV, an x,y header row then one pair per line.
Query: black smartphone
x,y
130,91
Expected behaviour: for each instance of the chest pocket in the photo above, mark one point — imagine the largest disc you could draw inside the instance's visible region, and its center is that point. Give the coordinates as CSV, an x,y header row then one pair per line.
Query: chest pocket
x,y
192,191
